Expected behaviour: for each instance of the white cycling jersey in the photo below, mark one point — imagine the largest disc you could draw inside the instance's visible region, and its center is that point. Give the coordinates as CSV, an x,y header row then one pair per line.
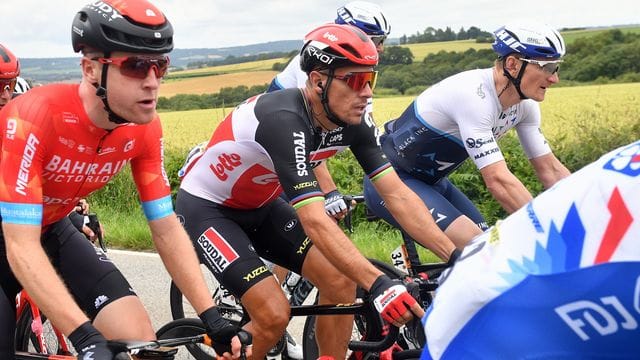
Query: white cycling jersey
x,y
457,118
291,77
559,278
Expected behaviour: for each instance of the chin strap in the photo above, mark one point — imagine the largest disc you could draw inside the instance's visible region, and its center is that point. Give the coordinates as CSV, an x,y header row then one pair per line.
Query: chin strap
x,y
515,81
325,102
101,92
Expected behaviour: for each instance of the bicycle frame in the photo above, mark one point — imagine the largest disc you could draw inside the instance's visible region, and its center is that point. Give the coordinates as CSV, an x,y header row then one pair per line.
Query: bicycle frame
x,y
22,299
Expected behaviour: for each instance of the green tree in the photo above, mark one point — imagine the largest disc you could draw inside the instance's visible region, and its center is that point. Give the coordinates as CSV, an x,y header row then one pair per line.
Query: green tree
x,y
396,55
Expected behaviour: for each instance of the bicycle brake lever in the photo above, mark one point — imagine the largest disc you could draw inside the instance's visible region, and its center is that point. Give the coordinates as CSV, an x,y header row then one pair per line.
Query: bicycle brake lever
x,y
347,222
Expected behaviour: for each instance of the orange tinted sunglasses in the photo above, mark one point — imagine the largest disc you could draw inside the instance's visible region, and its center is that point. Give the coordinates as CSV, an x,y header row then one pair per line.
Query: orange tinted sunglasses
x,y
358,80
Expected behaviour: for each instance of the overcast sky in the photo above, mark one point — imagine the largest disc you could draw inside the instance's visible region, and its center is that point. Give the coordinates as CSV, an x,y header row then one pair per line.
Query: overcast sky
x,y
41,28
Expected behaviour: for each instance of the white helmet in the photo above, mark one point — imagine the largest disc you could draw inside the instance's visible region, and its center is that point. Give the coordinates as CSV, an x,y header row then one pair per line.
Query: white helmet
x,y
22,86
532,40
366,16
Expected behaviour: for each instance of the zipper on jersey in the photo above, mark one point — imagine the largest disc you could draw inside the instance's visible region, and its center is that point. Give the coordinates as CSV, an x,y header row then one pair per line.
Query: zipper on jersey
x,y
97,153
101,141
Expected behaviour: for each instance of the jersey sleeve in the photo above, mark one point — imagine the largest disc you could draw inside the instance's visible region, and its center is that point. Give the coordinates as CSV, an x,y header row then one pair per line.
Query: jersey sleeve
x,y
475,126
21,160
291,77
367,151
533,141
150,175
289,151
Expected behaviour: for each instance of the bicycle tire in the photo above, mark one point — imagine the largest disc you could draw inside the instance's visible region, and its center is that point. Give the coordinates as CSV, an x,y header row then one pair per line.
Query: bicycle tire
x,y
309,345
180,307
25,338
177,303
187,327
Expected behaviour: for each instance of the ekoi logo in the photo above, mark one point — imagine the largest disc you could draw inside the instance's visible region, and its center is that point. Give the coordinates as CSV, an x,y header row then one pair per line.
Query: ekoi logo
x,y
626,161
314,51
225,163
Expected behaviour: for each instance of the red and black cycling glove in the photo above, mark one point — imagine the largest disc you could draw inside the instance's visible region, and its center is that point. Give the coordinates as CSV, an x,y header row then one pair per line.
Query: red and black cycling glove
x,y
391,298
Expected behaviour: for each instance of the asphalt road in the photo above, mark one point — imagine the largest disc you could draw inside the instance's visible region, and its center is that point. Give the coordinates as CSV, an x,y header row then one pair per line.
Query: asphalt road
x,y
148,277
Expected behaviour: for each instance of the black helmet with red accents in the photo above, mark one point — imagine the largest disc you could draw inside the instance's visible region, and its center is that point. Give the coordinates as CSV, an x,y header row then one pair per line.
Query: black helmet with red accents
x,y
9,64
134,26
333,46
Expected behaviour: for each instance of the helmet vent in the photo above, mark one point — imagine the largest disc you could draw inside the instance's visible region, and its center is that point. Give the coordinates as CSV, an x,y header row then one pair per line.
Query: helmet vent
x,y
136,41
351,49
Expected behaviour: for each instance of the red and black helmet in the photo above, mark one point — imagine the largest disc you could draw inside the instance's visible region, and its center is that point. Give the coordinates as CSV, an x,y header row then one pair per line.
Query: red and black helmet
x,y
9,64
134,26
334,46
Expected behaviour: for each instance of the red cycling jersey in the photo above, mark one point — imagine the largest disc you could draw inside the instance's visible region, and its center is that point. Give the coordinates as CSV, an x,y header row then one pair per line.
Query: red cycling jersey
x,y
53,155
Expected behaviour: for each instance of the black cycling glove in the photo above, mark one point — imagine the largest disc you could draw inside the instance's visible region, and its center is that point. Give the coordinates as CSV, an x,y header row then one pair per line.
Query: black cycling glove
x,y
90,344
221,331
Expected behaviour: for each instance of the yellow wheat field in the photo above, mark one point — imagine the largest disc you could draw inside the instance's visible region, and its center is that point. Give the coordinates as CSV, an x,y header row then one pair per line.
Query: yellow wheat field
x,y
257,65
213,84
566,112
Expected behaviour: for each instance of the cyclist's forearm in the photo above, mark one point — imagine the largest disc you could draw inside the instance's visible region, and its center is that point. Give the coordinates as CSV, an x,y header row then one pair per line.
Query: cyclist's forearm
x,y
325,181
181,261
336,246
413,215
511,194
34,271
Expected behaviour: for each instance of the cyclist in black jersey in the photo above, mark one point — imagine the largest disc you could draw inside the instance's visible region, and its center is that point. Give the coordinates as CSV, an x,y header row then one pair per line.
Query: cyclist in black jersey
x,y
230,206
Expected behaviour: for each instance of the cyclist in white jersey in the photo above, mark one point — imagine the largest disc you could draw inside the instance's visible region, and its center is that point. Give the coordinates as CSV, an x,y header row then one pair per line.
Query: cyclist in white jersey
x,y
464,115
369,18
559,278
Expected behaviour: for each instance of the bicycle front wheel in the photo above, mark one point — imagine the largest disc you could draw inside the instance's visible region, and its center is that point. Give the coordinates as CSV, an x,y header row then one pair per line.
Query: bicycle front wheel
x,y
27,340
185,328
360,327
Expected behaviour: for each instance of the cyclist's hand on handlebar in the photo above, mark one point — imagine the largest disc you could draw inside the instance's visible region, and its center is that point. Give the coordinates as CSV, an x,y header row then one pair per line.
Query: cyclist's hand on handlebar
x,y
229,340
91,344
393,302
335,204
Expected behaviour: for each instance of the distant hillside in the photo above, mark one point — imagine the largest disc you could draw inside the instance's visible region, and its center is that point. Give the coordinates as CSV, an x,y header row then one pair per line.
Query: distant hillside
x,y
45,70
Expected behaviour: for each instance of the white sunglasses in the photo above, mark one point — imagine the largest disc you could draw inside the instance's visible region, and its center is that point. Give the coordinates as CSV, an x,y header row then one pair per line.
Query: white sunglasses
x,y
550,66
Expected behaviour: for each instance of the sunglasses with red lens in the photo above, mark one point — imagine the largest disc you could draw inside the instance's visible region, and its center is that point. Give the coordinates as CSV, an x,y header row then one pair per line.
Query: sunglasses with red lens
x,y
8,85
358,80
138,66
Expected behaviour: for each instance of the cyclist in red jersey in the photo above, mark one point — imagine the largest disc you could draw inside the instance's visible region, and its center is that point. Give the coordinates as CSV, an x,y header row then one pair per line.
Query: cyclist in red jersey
x,y
60,143
9,71
229,197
